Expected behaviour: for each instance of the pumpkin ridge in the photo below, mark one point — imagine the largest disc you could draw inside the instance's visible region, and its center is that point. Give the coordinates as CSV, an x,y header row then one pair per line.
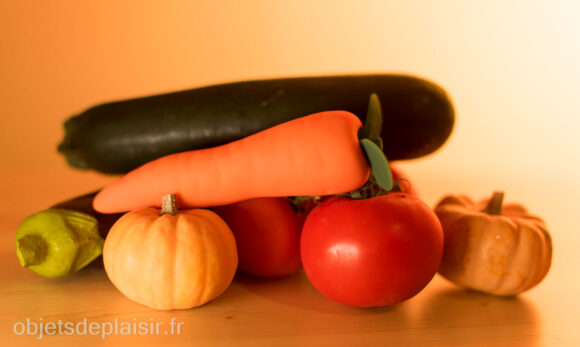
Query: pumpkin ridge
x,y
200,225
215,232
114,241
544,246
480,257
154,234
516,232
134,221
532,280
464,256
216,238
173,241
549,245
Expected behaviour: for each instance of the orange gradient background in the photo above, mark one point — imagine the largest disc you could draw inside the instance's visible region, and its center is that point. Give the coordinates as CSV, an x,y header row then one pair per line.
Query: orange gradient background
x,y
512,69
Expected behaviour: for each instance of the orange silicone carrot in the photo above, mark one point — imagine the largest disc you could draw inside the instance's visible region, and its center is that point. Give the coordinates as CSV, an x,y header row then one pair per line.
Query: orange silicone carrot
x,y
317,154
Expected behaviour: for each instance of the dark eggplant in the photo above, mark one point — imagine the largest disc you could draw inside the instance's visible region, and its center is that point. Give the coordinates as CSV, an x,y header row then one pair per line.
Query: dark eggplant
x,y
119,136
84,204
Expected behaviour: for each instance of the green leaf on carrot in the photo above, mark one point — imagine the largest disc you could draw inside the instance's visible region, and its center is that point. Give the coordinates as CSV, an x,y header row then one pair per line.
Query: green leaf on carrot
x,y
379,164
373,122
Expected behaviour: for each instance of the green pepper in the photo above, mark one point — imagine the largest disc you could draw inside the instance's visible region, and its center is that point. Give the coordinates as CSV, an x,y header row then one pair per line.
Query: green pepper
x,y
64,238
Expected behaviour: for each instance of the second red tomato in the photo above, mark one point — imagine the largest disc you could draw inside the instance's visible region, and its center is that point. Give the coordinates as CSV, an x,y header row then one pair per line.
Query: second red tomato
x,y
267,233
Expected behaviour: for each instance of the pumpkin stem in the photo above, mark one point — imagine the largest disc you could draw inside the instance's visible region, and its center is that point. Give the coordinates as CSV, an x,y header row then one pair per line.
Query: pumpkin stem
x,y
169,205
494,205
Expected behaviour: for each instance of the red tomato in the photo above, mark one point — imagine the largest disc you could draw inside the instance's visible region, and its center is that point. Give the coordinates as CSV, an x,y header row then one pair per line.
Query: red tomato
x,y
372,252
267,234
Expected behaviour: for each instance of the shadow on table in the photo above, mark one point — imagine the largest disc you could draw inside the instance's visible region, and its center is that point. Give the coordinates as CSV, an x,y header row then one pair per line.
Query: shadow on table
x,y
297,291
465,316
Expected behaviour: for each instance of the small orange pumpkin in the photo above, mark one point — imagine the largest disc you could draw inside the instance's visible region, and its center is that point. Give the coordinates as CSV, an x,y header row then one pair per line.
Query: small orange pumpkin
x,y
496,249
168,259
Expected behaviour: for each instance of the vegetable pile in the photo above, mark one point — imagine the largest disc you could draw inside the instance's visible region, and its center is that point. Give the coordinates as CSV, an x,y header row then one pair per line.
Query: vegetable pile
x,y
268,177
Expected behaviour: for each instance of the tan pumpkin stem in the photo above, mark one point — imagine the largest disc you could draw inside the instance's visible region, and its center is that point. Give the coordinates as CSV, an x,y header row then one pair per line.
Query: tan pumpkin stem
x,y
494,205
169,205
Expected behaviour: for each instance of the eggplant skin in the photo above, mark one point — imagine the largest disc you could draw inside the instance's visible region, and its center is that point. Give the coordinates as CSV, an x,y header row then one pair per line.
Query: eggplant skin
x,y
116,137
84,204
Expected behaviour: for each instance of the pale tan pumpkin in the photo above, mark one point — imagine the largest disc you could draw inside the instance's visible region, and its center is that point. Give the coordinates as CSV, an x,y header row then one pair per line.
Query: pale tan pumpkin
x,y
496,249
170,260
